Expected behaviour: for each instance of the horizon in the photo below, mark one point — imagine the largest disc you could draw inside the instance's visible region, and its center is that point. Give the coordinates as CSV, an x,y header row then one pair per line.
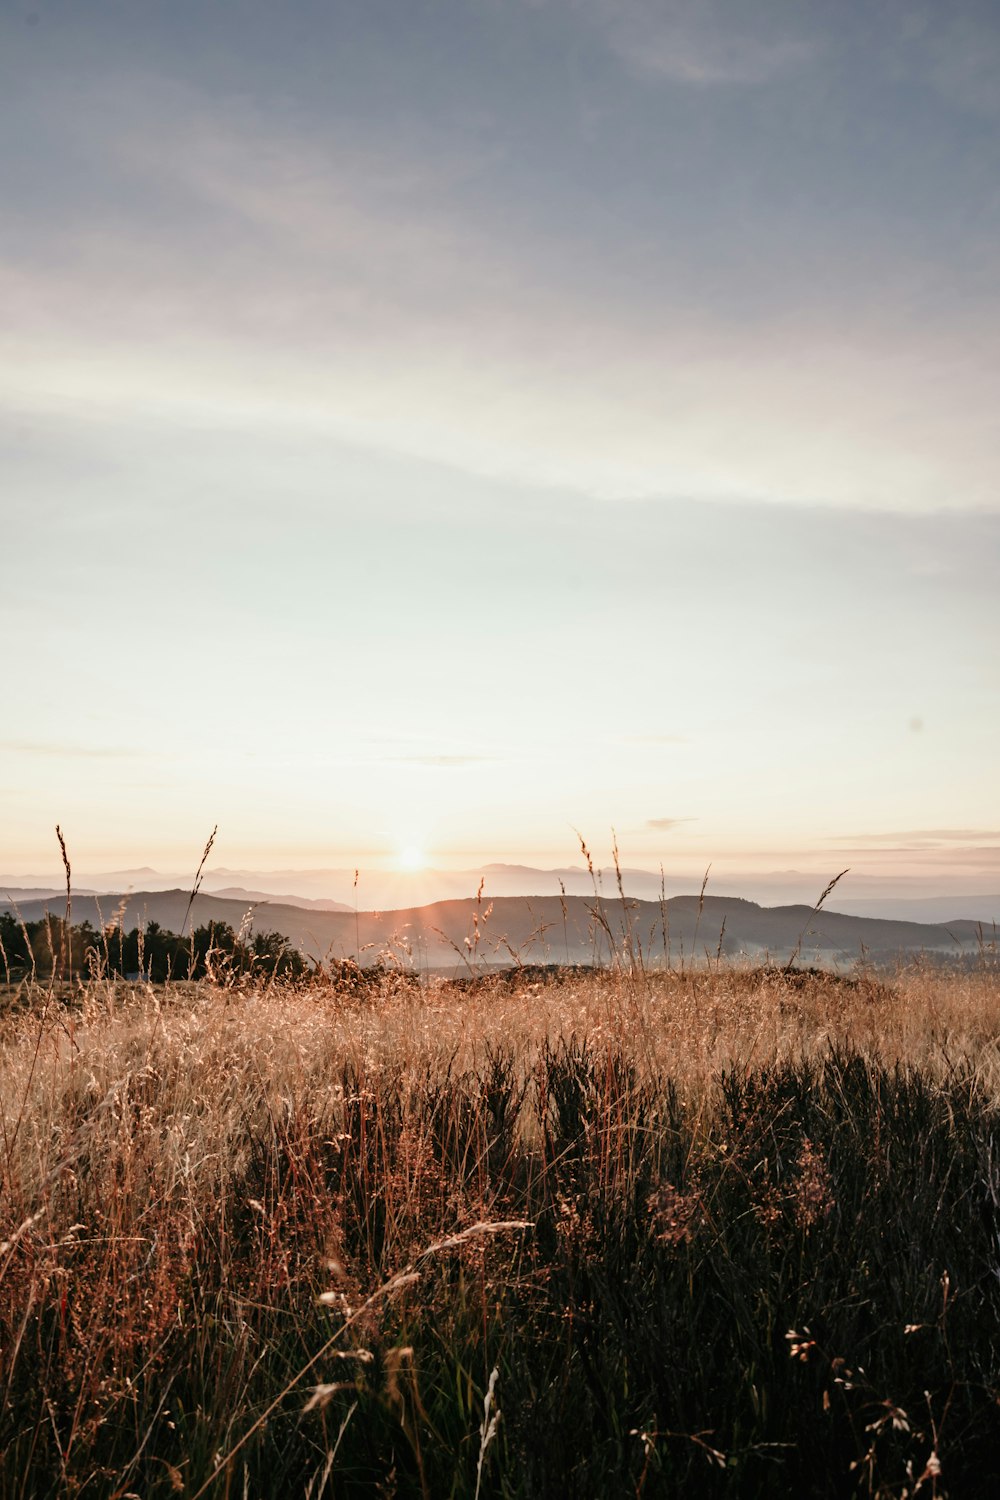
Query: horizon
x,y
430,431
903,890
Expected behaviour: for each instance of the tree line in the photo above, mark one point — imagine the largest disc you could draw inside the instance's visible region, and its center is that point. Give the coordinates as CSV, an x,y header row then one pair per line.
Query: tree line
x,y
51,948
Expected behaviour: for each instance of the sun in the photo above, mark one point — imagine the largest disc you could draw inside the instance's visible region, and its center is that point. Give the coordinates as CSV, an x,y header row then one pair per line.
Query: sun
x,y
411,858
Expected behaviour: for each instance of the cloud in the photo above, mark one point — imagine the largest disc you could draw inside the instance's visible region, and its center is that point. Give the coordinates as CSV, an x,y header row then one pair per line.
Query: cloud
x,y
956,49
682,58
664,825
929,836
445,760
290,280
705,43
656,739
67,751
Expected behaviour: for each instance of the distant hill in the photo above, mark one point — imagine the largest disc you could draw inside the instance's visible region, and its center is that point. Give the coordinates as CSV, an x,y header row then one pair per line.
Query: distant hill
x,y
309,903
310,931
546,929
11,896
939,909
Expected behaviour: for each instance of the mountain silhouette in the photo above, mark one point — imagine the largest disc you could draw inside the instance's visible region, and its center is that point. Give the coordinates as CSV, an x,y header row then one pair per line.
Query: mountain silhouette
x,y
544,929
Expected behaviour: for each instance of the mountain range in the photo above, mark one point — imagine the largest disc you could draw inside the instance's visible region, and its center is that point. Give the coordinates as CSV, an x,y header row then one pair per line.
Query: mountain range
x,y
462,933
918,897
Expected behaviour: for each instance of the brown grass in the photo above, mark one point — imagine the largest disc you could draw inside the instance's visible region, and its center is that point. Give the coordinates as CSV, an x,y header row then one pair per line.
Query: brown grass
x,y
178,1174
167,1080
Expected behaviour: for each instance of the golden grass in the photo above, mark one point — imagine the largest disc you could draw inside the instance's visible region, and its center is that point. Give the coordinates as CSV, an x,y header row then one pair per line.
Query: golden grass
x,y
202,1063
133,1122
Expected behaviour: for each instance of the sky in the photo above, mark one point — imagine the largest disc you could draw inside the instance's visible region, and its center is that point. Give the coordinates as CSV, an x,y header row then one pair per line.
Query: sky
x,y
450,427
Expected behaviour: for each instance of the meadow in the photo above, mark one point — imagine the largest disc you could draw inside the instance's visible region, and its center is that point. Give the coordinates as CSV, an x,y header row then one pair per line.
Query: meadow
x,y
727,1232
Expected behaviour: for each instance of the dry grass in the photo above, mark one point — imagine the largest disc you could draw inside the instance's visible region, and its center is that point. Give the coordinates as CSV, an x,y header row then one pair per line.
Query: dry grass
x,y
207,1064
188,1171
219,1058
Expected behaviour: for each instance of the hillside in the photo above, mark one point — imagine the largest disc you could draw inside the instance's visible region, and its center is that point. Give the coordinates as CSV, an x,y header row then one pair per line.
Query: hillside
x,y
546,929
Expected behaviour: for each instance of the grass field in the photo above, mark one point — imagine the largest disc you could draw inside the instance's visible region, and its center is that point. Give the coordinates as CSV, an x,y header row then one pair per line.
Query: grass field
x,y
723,1233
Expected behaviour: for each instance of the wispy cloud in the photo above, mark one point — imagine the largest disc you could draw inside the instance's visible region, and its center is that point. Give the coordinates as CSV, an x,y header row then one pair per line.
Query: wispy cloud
x,y
369,274
664,825
682,57
655,739
705,43
445,761
957,54
67,751
928,836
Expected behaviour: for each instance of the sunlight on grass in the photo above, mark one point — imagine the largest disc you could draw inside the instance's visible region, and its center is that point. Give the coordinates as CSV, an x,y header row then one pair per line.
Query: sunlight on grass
x,y
708,1233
